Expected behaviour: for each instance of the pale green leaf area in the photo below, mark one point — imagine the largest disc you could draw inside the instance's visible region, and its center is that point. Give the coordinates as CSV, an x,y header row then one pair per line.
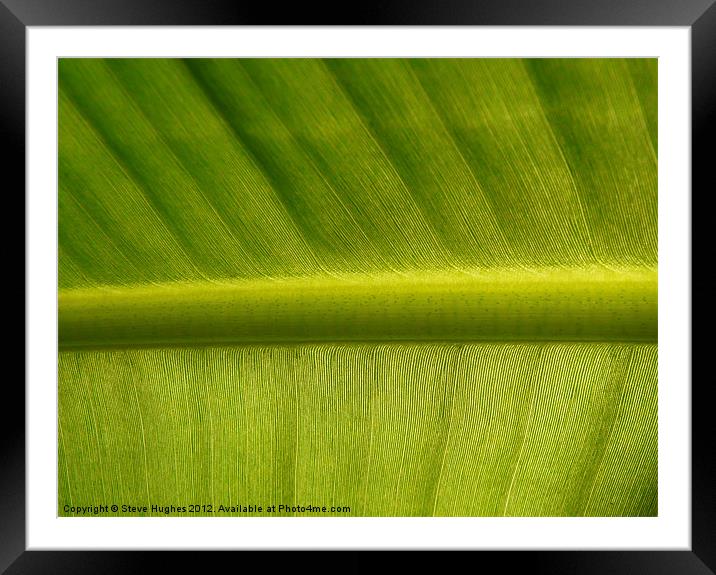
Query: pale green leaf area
x,y
410,287
387,429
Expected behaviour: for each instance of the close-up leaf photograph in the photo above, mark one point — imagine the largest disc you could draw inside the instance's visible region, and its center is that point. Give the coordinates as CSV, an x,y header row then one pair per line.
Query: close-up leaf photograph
x,y
357,287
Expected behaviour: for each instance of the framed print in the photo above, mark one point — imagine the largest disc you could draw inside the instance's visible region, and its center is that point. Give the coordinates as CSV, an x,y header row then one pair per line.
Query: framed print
x,y
360,288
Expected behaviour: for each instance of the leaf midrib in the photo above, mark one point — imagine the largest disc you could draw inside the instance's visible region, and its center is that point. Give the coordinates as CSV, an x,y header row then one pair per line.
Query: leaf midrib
x,y
553,305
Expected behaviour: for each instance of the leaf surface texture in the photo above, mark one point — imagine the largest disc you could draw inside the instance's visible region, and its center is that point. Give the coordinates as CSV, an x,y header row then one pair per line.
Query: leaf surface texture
x,y
410,287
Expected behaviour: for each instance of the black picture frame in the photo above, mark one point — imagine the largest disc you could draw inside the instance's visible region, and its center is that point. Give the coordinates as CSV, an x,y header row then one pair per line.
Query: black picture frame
x,y
699,15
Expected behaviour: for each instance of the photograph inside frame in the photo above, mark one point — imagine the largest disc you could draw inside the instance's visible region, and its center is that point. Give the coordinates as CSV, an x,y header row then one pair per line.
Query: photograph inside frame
x,y
357,287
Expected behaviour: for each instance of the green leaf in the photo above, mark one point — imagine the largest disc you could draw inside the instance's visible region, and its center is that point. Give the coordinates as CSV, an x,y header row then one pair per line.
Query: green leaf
x,y
407,287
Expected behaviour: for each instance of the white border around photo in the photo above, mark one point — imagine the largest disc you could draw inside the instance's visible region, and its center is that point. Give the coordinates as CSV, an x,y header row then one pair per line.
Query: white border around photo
x,y
670,530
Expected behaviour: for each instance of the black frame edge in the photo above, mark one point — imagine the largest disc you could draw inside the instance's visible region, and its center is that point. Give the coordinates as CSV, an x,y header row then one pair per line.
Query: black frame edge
x,y
12,423
536,562
15,15
703,112
385,12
